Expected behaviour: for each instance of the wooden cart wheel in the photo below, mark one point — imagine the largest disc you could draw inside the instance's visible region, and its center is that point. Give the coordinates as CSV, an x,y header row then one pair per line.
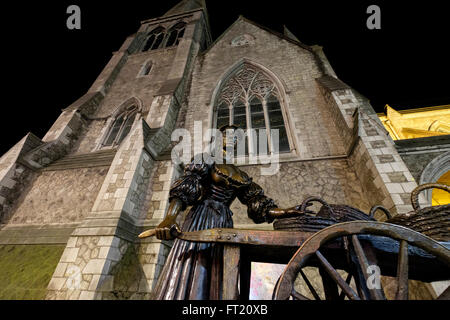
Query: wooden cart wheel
x,y
348,232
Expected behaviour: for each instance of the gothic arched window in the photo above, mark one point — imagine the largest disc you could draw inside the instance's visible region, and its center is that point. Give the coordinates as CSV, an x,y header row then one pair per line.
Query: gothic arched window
x,y
154,39
146,68
250,99
121,127
175,34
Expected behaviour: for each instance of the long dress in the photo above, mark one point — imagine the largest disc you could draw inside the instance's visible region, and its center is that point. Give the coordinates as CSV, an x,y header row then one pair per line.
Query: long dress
x,y
193,270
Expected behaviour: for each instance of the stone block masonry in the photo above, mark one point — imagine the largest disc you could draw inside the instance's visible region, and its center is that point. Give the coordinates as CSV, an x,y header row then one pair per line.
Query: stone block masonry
x,y
62,196
377,163
103,255
333,180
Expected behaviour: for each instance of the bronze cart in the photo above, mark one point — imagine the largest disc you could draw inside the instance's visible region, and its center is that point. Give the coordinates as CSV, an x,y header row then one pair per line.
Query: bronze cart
x,y
339,238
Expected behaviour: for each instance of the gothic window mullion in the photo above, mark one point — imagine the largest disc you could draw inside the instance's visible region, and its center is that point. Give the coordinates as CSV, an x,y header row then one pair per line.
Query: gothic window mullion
x,y
174,35
120,127
249,137
116,139
240,116
165,39
266,120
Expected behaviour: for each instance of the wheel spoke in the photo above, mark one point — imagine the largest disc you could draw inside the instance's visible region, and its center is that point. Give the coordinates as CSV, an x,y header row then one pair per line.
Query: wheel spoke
x,y
347,280
337,277
362,259
402,272
310,287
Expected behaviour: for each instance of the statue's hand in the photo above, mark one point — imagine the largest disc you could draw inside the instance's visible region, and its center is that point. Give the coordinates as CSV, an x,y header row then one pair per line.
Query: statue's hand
x,y
168,229
293,211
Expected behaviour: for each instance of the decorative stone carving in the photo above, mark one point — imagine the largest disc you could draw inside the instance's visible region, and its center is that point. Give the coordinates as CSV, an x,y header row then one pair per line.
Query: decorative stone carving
x,y
246,82
242,40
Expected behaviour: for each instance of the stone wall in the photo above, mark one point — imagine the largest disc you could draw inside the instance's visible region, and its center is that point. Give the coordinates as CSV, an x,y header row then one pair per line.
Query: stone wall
x,y
158,191
314,134
378,165
417,162
333,180
61,196
129,84
89,137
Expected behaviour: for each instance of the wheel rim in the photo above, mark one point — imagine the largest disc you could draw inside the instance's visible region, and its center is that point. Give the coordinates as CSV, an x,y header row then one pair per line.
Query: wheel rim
x,y
284,286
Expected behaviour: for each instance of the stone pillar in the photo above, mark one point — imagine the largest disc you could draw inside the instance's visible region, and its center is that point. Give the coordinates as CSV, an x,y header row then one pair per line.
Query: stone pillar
x,y
381,170
96,248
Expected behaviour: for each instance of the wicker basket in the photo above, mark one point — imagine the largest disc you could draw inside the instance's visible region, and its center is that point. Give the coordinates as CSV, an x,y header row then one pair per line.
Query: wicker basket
x,y
431,221
327,216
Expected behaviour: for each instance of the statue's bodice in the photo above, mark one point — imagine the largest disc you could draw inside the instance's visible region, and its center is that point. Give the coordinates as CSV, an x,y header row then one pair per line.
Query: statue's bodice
x,y
226,180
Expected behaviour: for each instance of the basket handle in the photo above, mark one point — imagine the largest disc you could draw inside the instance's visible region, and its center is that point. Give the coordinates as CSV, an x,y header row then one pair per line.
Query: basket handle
x,y
375,208
415,193
310,199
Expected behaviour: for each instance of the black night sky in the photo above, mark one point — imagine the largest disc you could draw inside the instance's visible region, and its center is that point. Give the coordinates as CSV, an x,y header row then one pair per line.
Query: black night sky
x,y
46,67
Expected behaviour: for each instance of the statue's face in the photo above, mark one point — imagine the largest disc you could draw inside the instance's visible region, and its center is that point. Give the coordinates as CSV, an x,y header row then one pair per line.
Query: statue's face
x,y
229,139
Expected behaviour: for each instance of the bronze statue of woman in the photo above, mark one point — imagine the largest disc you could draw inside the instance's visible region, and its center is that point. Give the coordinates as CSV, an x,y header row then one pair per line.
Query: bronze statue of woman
x,y
193,270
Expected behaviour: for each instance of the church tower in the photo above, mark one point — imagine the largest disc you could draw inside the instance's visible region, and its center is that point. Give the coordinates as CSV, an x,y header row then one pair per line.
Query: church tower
x,y
87,187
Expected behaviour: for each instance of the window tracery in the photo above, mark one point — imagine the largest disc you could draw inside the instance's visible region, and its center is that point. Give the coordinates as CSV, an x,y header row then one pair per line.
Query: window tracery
x,y
120,127
161,38
250,99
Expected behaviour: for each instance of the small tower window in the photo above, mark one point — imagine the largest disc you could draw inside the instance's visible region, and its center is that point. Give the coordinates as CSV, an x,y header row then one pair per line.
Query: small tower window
x,y
155,39
146,69
175,34
121,127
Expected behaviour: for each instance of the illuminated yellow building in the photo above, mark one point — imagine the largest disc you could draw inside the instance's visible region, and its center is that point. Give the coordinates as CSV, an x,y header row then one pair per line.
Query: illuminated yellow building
x,y
427,133
416,123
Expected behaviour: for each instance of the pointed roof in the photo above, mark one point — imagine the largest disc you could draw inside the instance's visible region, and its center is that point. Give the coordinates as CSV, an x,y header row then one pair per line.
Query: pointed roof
x,y
186,5
280,35
289,34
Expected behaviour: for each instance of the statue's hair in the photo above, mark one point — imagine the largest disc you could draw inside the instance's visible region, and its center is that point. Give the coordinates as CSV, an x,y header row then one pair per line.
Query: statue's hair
x,y
227,126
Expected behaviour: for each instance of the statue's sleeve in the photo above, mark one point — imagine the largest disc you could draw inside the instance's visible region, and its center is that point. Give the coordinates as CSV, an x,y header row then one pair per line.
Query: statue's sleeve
x,y
189,187
258,205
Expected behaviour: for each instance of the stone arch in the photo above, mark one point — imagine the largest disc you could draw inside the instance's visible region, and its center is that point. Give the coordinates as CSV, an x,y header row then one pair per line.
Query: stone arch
x,y
128,103
281,85
434,170
133,101
279,90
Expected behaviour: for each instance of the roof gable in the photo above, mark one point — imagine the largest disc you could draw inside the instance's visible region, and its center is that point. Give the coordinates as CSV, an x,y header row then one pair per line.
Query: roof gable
x,y
277,34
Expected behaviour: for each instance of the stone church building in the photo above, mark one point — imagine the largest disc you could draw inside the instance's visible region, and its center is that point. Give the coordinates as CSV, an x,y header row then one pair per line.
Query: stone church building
x,y
73,202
